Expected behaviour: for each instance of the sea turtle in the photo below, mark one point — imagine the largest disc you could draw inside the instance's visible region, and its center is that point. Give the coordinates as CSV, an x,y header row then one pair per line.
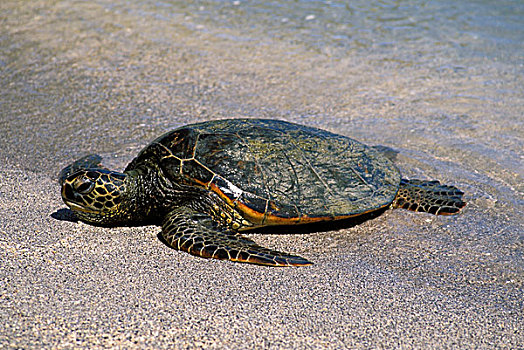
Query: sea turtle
x,y
206,182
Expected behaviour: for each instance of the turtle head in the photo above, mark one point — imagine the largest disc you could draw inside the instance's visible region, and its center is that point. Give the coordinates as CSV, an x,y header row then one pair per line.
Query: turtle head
x,y
96,195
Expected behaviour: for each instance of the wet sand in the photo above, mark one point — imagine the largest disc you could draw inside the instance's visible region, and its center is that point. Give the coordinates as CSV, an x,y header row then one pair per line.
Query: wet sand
x,y
108,79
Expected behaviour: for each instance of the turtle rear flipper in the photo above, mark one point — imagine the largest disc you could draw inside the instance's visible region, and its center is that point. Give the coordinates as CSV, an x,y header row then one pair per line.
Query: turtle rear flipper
x,y
88,162
429,196
196,233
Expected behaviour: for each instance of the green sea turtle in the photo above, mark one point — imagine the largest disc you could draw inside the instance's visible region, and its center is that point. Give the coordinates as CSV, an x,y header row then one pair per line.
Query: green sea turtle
x,y
204,183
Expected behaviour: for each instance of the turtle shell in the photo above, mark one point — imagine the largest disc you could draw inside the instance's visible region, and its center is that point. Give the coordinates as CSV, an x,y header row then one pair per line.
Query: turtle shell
x,y
275,172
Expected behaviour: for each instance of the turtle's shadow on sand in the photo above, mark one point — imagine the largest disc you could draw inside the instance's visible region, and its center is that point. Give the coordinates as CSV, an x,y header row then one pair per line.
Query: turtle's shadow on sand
x,y
64,214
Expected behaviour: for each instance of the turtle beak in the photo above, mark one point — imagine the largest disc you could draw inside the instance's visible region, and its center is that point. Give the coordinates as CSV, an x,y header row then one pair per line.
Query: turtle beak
x,y
67,192
68,196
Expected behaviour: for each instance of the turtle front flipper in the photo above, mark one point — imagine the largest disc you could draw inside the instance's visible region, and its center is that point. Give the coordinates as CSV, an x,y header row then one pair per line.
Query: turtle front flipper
x,y
88,162
196,233
429,196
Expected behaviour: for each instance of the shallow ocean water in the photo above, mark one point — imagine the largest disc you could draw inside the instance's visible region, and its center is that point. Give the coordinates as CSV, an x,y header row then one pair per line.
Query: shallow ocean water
x,y
440,82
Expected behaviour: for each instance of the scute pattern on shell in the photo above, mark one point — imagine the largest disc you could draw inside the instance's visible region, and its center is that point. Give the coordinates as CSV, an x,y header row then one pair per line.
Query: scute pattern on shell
x,y
276,172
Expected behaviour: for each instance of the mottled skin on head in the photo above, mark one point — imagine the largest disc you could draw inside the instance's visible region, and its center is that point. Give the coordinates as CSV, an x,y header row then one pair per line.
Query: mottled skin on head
x,y
205,183
96,196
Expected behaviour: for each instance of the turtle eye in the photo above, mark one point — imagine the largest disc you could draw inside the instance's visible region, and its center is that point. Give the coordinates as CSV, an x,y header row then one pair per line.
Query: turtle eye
x,y
83,185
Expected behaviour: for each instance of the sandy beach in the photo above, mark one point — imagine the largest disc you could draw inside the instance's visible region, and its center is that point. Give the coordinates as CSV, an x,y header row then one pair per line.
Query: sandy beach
x,y
107,78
